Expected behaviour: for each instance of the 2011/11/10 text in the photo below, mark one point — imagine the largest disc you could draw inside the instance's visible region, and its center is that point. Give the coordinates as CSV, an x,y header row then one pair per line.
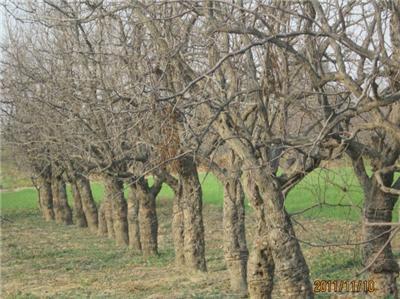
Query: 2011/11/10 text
x,y
367,286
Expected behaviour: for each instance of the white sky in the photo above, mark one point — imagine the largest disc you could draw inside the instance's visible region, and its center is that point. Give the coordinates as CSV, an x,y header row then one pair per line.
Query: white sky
x,y
2,26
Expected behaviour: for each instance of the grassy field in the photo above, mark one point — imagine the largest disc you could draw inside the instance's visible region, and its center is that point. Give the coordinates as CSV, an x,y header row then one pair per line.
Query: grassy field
x,y
320,191
45,260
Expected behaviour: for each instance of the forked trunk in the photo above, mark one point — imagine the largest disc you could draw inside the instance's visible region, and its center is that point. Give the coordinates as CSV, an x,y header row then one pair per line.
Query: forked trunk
x,y
102,221
289,261
383,268
89,206
235,247
194,245
62,211
46,198
133,219
79,215
115,193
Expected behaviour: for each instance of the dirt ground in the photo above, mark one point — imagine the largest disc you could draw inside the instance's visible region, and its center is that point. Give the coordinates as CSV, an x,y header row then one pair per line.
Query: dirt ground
x,y
46,260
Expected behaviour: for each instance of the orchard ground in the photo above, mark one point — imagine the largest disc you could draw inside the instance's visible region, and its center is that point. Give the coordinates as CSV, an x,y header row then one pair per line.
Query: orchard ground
x,y
40,259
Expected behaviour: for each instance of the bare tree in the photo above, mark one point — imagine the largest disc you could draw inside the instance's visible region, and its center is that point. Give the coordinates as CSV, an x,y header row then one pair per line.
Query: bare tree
x,y
130,89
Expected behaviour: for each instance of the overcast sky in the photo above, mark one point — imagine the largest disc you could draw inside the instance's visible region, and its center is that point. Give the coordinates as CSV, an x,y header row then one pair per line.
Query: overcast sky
x,y
2,27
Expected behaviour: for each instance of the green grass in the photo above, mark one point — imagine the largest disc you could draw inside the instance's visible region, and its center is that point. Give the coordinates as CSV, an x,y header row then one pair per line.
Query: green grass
x,y
322,190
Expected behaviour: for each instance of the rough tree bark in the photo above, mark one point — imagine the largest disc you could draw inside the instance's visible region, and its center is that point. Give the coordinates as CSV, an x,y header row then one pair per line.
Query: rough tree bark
x,y
62,211
118,207
194,245
383,268
261,265
148,222
177,219
88,203
46,198
178,227
80,218
288,258
235,247
102,221
133,218
260,269
108,213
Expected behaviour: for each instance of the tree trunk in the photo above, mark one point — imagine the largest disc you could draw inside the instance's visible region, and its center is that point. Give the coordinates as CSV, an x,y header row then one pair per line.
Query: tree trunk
x,y
133,219
108,213
89,206
102,221
260,270
194,245
79,215
178,227
289,261
147,218
235,247
115,193
177,219
261,265
62,211
46,198
383,268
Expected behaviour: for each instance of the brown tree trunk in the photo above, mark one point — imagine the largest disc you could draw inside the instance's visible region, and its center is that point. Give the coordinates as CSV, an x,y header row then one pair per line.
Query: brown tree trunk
x,y
177,219
115,193
133,219
79,215
108,213
46,198
178,227
289,261
260,270
261,265
383,268
102,221
148,222
62,211
194,245
89,206
235,247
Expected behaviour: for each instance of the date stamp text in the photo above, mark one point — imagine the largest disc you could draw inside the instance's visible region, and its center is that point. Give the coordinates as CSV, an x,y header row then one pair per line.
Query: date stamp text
x,y
365,286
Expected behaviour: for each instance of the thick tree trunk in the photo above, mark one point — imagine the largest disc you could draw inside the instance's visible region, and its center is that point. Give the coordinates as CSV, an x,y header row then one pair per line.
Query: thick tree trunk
x,y
289,261
383,267
261,265
194,245
235,247
115,193
89,206
148,222
62,211
260,270
79,215
108,213
102,221
46,198
133,219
